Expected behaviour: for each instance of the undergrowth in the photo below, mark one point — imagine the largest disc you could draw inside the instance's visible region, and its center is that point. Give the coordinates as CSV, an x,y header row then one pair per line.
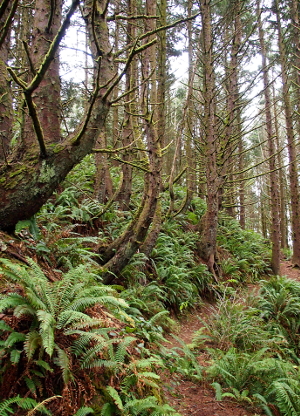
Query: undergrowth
x,y
70,345
255,348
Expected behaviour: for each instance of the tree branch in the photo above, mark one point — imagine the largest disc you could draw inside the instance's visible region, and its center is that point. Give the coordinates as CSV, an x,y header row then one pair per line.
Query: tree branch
x,y
36,124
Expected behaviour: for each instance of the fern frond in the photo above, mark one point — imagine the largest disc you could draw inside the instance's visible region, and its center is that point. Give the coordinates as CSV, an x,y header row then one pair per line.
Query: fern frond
x,y
33,340
7,408
147,363
287,397
14,271
218,391
11,301
136,406
5,327
115,397
47,324
158,316
31,385
62,360
35,299
71,318
15,356
108,409
13,338
82,303
121,349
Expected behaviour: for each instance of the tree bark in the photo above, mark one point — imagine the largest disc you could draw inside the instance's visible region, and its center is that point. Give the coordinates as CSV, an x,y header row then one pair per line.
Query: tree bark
x,y
208,240
276,237
293,166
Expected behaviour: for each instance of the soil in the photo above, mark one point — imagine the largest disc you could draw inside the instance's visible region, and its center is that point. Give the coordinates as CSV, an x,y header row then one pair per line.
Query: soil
x,y
198,398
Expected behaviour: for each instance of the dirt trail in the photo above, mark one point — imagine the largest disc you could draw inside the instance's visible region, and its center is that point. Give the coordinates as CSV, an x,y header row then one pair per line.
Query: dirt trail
x,y
198,399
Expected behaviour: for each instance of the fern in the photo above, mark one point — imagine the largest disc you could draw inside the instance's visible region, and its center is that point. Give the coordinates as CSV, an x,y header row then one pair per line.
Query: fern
x,y
114,395
7,407
62,360
121,351
287,396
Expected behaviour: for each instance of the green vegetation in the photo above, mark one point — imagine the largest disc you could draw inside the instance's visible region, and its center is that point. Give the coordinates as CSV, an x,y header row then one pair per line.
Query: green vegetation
x,y
72,345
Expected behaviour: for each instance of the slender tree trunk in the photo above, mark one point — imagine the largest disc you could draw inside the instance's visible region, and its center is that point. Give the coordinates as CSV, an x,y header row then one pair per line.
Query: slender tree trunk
x,y
293,166
276,237
208,242
282,191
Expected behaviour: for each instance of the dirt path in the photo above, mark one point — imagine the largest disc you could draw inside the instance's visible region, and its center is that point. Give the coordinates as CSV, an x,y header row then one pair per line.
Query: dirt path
x,y
198,399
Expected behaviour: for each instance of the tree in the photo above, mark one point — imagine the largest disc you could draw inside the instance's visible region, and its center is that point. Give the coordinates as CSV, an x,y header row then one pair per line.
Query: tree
x,y
290,134
274,192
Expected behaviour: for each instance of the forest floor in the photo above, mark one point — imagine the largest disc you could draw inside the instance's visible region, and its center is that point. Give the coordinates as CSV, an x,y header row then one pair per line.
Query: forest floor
x,y
198,398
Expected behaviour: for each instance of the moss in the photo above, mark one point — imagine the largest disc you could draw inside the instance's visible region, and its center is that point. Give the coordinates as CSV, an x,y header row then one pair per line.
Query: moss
x,y
17,172
47,172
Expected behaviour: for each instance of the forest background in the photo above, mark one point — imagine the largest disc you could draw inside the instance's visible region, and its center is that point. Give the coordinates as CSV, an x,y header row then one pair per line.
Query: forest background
x,y
106,169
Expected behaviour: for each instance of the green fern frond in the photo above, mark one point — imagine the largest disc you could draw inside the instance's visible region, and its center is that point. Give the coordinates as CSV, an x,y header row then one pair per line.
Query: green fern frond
x,y
158,316
218,391
24,309
5,327
164,410
90,358
31,385
7,408
47,325
114,395
136,406
33,340
287,397
11,301
15,356
62,360
108,409
121,349
35,299
13,338
71,318
14,271
147,363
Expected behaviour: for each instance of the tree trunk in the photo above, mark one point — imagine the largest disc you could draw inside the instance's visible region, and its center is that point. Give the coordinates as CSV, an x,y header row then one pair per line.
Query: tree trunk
x,y
46,97
276,237
293,168
208,240
6,109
